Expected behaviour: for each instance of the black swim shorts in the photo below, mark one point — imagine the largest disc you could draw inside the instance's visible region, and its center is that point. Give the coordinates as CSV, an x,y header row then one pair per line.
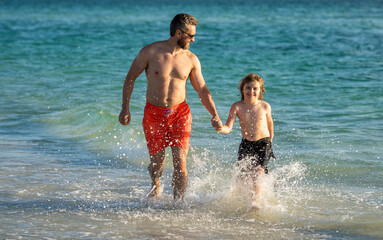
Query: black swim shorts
x,y
258,152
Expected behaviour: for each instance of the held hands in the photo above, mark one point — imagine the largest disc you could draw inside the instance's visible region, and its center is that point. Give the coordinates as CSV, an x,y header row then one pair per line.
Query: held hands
x,y
124,117
216,123
219,127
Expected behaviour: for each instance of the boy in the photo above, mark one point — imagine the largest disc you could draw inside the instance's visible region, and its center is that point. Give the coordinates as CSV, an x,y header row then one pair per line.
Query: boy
x,y
256,124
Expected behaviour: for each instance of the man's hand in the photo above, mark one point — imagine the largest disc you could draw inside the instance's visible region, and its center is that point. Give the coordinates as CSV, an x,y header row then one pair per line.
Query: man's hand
x,y
125,117
216,123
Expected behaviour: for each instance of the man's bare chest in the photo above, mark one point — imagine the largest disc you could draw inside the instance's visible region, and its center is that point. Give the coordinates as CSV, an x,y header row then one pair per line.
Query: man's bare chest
x,y
166,65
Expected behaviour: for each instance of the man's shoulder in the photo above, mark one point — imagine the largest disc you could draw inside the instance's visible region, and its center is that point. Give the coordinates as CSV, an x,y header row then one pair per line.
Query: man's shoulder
x,y
153,46
192,57
150,50
190,53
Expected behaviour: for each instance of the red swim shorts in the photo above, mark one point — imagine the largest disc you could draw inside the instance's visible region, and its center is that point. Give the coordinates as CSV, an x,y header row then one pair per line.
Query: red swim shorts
x,y
165,127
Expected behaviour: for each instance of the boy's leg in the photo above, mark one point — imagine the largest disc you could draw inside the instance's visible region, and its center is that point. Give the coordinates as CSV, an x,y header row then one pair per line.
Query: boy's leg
x,y
156,169
180,176
258,173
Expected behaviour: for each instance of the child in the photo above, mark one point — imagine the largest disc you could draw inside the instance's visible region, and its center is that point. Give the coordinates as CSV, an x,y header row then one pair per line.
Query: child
x,y
256,124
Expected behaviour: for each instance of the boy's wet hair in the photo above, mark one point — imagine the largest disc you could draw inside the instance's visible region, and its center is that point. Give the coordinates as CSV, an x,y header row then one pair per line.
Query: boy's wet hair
x,y
180,21
252,77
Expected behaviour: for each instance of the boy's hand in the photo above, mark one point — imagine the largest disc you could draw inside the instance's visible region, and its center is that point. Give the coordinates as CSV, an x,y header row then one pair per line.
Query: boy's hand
x,y
224,129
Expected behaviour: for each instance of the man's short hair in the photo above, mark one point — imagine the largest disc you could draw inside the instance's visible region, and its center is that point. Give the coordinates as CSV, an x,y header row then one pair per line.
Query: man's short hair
x,y
180,21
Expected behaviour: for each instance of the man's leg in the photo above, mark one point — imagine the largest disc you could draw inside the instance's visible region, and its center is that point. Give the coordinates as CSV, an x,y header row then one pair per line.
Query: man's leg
x,y
180,175
156,169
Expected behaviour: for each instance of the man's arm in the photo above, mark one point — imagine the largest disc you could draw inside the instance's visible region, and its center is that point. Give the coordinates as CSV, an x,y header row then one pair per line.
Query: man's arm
x,y
137,67
199,84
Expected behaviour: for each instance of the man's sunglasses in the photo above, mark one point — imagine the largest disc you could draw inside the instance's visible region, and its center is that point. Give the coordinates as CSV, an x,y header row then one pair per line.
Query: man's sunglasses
x,y
190,36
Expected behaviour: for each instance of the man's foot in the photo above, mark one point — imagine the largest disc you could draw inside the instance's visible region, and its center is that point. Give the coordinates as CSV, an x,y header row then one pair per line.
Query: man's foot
x,y
155,192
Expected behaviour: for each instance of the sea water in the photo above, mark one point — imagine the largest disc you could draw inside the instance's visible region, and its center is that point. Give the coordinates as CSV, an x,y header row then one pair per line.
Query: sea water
x,y
69,170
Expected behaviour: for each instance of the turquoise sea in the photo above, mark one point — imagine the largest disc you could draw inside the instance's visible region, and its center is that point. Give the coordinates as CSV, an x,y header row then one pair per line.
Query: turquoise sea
x,y
69,170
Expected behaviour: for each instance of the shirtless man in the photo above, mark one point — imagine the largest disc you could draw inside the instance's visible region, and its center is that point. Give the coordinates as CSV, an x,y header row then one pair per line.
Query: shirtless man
x,y
167,120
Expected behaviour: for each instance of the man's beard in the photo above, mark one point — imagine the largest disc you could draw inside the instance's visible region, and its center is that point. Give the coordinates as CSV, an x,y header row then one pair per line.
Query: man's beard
x,y
183,44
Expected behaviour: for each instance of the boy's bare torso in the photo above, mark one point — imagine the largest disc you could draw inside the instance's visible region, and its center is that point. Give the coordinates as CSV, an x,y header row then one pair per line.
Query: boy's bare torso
x,y
167,74
253,120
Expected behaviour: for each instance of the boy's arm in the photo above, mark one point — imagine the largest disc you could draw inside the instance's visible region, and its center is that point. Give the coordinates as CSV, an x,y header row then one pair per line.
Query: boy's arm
x,y
230,120
270,124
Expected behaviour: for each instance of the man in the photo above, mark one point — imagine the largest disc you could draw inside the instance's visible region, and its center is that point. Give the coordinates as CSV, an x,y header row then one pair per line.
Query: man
x,y
167,120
